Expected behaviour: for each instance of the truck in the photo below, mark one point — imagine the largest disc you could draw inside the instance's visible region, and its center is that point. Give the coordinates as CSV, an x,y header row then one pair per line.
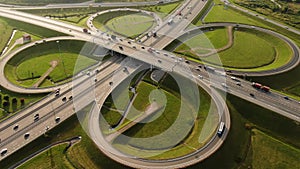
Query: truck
x,y
256,85
209,69
265,88
221,129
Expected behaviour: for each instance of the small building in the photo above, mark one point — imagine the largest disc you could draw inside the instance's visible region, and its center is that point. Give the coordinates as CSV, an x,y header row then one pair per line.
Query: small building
x,y
26,38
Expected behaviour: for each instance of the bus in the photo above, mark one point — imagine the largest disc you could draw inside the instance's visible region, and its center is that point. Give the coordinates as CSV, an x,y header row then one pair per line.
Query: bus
x,y
221,129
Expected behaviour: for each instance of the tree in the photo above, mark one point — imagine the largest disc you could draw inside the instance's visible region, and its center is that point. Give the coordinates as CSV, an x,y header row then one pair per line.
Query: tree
x,y
6,98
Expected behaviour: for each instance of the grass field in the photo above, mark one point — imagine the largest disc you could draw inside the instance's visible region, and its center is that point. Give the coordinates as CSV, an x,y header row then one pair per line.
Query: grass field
x,y
131,25
295,90
19,69
203,129
212,40
268,152
122,22
221,14
6,31
248,51
51,158
64,69
268,52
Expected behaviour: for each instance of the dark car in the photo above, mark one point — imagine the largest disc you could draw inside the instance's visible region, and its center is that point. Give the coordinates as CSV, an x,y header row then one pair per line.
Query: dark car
x,y
251,94
26,135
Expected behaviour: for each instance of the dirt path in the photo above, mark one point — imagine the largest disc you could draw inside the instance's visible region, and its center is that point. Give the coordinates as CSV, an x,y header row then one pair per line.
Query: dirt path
x,y
42,78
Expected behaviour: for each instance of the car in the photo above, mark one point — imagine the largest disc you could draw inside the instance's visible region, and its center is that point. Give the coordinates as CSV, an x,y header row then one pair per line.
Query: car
x,y
200,77
199,66
3,151
238,83
159,61
143,47
97,71
165,54
26,136
16,127
64,99
71,98
57,119
197,69
36,117
186,61
224,85
129,42
110,83
251,94
133,47
286,98
95,80
121,48
56,94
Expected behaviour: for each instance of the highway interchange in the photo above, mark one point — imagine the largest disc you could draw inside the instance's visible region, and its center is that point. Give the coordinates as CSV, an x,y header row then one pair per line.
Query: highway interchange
x,y
53,107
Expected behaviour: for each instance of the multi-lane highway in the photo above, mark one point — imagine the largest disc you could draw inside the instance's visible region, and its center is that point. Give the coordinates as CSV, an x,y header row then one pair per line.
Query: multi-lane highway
x,y
161,59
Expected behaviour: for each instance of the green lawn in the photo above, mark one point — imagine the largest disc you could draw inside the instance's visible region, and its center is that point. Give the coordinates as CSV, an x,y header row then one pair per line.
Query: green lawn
x,y
131,25
268,52
64,69
203,129
221,14
268,152
122,23
111,117
6,31
23,69
212,40
294,90
51,158
248,51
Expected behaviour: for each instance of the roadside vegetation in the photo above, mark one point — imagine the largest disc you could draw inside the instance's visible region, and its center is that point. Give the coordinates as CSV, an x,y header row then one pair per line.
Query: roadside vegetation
x,y
11,102
287,12
54,157
269,152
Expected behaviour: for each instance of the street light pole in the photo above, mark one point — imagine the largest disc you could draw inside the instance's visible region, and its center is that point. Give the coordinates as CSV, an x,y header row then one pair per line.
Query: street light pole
x,y
60,57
